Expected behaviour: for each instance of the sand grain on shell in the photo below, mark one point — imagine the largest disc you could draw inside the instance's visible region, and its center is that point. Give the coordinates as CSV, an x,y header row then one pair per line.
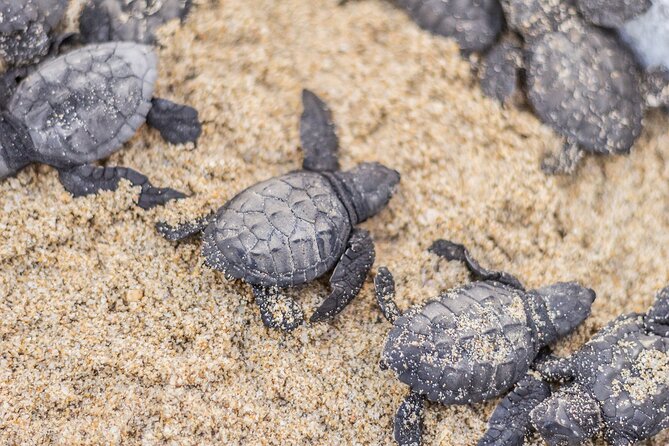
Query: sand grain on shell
x,y
110,334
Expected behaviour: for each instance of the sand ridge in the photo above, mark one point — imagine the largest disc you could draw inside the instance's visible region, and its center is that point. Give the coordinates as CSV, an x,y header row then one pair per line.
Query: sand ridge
x,y
111,334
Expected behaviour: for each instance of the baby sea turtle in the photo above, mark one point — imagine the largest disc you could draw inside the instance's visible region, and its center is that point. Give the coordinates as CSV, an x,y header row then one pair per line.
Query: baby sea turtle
x,y
617,385
82,107
474,342
294,228
128,20
580,79
474,24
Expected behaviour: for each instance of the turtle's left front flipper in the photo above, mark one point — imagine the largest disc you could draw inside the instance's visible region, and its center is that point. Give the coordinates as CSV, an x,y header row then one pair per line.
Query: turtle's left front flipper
x,y
87,179
510,422
177,124
349,275
317,133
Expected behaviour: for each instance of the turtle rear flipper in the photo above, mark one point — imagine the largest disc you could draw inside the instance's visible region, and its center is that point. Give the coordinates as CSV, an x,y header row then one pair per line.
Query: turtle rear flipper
x,y
87,179
510,422
277,310
348,276
177,124
384,286
318,136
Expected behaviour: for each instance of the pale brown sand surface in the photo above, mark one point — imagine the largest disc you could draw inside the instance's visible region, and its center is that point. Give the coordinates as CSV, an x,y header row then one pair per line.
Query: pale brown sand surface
x,y
111,335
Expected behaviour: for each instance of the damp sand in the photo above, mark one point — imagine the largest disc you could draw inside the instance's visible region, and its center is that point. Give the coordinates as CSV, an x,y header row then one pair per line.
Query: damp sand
x,y
111,335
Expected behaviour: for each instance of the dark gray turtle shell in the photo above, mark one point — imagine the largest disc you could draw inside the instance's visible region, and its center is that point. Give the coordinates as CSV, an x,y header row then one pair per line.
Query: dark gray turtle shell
x,y
129,20
281,232
586,86
83,106
626,368
470,345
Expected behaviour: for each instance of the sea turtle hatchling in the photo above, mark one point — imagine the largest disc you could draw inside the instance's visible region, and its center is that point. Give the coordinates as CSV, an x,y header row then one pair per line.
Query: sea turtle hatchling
x,y
82,107
474,342
617,385
294,228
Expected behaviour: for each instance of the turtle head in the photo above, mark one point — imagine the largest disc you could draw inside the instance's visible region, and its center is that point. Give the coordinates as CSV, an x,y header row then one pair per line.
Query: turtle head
x,y
15,144
569,417
567,305
657,318
370,186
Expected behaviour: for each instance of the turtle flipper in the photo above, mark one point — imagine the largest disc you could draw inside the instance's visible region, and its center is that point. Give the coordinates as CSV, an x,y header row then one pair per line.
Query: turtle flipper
x,y
16,145
556,369
384,286
510,422
87,179
455,251
277,310
184,230
565,162
318,136
348,276
95,23
408,424
177,124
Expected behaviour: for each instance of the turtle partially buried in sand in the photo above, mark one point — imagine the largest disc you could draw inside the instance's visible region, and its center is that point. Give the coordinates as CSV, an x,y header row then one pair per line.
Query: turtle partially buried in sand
x,y
474,342
82,107
294,228
617,386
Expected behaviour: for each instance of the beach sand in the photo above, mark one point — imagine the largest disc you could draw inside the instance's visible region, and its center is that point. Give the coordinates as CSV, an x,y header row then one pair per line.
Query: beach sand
x,y
111,335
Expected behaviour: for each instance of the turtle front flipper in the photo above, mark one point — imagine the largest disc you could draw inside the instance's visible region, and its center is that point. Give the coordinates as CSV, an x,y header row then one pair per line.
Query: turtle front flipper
x,y
184,230
317,133
349,275
277,310
555,369
408,423
455,251
510,422
384,287
177,124
16,146
565,162
87,180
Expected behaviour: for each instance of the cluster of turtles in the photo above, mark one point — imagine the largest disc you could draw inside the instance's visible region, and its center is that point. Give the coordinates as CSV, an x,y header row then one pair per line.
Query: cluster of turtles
x,y
588,68
71,100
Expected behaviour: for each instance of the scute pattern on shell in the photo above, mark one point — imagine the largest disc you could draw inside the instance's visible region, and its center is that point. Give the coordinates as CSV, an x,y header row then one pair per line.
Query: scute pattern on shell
x,y
470,345
281,232
586,86
475,24
626,368
83,106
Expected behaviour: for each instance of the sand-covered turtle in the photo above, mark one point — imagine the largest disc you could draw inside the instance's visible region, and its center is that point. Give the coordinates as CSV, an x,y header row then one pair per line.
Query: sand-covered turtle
x,y
474,342
616,385
128,20
579,79
294,228
26,29
474,24
82,107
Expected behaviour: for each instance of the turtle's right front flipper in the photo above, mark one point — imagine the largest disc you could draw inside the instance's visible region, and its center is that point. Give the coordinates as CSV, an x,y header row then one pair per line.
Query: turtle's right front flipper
x,y
455,251
15,145
510,422
408,423
87,179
